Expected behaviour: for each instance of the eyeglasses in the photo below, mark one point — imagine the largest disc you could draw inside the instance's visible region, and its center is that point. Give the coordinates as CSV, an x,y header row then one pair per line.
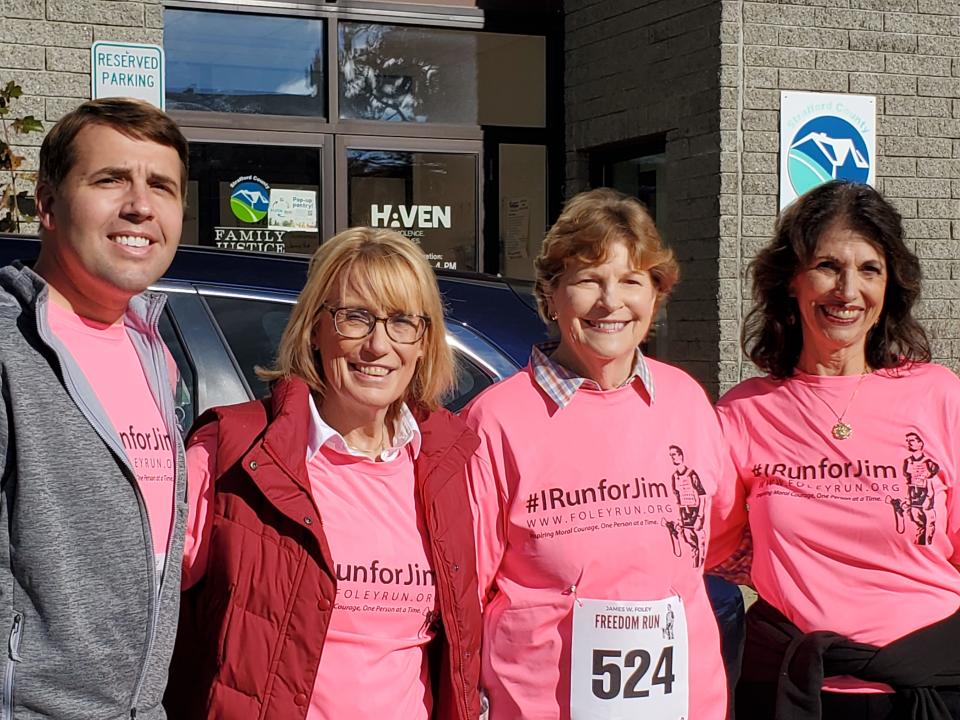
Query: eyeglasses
x,y
356,323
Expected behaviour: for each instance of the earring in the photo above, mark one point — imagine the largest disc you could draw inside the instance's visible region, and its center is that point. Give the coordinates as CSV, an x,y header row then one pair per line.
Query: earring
x,y
553,316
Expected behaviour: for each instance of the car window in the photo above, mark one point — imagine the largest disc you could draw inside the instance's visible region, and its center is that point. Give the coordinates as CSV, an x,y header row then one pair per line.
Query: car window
x,y
185,389
252,329
471,380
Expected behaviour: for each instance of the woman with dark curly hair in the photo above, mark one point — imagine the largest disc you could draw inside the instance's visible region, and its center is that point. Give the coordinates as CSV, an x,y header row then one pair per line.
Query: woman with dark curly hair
x,y
848,462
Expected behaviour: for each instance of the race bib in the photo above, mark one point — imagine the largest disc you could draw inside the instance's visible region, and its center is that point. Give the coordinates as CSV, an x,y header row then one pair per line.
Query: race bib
x,y
629,660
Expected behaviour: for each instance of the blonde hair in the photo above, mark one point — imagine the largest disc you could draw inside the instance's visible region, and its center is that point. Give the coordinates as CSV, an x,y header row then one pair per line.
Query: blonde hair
x,y
590,224
394,274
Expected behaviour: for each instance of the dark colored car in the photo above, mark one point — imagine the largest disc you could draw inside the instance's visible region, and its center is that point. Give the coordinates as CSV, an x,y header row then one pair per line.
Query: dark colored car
x,y
226,311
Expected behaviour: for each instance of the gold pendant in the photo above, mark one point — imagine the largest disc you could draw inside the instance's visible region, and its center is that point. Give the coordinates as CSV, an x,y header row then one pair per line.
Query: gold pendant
x,y
841,431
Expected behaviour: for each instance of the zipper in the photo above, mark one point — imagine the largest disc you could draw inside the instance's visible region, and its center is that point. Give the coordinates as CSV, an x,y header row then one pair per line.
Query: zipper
x,y
13,652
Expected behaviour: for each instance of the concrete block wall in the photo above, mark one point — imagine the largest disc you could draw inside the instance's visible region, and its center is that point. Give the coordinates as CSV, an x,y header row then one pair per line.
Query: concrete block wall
x,y
637,69
45,48
904,52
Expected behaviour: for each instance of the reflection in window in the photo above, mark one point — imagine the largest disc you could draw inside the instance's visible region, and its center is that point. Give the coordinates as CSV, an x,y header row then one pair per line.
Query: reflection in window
x,y
405,74
257,64
637,176
400,73
253,329
429,197
471,381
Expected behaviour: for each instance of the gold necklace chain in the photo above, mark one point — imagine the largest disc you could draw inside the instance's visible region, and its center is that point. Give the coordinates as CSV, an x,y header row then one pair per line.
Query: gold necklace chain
x,y
842,430
376,452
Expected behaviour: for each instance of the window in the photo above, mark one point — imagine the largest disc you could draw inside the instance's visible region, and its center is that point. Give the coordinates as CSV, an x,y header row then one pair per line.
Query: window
x,y
634,169
431,197
252,329
306,118
638,177
186,388
399,73
471,381
243,63
264,198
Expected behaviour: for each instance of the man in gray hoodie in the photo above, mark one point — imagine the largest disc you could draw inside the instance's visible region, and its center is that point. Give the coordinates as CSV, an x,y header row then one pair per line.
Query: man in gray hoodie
x,y
92,504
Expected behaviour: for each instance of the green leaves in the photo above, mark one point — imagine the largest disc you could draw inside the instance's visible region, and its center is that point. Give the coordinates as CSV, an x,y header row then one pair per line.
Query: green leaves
x,y
16,206
10,92
26,124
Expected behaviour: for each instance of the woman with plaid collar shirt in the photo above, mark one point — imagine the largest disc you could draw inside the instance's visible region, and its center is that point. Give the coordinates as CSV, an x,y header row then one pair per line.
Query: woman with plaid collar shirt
x,y
592,492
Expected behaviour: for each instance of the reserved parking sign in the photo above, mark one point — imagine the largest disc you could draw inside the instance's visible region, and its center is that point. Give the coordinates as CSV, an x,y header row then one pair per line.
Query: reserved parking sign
x,y
128,70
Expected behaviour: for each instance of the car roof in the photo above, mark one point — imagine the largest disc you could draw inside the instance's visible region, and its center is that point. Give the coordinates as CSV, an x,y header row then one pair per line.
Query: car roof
x,y
501,311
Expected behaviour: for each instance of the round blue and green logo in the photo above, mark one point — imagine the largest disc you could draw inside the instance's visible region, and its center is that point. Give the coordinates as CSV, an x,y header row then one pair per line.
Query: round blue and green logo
x,y
250,200
827,148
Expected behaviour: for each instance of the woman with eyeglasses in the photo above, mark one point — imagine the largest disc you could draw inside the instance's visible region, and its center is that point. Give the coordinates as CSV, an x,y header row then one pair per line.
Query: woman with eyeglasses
x,y
329,570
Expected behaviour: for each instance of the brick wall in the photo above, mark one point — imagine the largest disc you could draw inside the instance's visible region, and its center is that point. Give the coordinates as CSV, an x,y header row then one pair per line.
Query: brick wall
x,y
45,48
907,54
640,69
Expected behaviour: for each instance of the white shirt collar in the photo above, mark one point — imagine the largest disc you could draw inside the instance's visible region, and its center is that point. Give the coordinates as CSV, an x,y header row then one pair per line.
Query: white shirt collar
x,y
320,433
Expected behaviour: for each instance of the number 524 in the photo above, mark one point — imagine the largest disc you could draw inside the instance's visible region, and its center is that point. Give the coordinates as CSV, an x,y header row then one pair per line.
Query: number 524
x,y
604,672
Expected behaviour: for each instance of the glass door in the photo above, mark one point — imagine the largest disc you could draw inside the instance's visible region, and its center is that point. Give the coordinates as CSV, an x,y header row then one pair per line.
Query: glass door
x,y
428,190
261,192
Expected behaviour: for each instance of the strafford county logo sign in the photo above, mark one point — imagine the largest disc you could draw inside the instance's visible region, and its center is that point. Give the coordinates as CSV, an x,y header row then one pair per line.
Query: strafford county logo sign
x,y
250,199
825,137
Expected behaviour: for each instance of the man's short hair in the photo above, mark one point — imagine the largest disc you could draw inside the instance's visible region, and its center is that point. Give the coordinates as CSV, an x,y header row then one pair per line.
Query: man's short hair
x,y
134,118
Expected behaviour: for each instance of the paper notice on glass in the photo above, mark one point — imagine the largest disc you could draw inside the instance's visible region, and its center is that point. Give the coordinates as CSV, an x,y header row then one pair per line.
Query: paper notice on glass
x,y
293,209
516,230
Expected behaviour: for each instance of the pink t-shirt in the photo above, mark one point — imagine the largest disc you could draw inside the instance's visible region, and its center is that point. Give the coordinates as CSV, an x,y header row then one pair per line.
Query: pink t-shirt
x,y
112,367
605,499
374,662
856,536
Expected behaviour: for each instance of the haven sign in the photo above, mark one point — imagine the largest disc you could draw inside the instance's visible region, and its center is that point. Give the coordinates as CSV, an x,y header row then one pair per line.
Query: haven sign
x,y
127,70
825,137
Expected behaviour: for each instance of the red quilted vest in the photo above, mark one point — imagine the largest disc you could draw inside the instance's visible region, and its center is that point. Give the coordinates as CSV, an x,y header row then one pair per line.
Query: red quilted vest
x,y
252,630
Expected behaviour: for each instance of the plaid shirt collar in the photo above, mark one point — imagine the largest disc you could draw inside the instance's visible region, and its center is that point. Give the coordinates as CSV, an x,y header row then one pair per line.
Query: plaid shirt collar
x,y
561,384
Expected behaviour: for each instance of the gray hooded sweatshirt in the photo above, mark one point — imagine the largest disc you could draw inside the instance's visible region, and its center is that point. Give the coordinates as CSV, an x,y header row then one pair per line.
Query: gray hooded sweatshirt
x,y
87,622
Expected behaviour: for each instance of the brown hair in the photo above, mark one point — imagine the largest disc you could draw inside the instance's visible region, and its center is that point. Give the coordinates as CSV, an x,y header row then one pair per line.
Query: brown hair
x,y
772,336
394,274
134,118
591,222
